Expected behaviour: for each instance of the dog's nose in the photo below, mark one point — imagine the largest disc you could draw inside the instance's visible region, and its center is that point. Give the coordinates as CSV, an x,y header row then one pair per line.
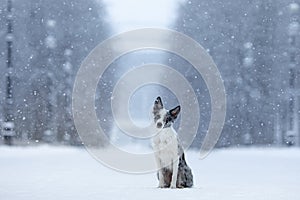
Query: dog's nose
x,y
159,125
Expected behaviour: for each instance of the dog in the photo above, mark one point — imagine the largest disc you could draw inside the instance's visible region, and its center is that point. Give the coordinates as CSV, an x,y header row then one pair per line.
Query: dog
x,y
173,170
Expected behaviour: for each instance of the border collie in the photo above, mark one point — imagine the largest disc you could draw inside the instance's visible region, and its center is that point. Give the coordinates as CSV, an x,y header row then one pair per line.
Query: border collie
x,y
173,169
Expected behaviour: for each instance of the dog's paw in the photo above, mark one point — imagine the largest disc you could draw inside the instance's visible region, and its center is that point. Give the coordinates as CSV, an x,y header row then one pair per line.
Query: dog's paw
x,y
180,187
173,186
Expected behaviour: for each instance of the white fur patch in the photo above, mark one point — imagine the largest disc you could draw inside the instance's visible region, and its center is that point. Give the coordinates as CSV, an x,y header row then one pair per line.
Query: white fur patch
x,y
166,145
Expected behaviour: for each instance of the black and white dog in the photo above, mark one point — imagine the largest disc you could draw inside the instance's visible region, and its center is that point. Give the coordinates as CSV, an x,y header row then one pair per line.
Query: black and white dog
x,y
173,169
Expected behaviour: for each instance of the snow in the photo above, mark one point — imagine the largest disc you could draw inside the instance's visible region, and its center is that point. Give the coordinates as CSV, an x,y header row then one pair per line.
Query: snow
x,y
46,172
51,23
51,42
293,28
294,7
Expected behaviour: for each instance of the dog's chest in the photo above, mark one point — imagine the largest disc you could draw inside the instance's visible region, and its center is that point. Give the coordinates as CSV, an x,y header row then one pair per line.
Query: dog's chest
x,y
166,146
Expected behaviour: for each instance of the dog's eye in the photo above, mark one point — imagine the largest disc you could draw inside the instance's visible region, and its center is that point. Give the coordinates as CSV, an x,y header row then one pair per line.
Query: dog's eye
x,y
168,119
157,117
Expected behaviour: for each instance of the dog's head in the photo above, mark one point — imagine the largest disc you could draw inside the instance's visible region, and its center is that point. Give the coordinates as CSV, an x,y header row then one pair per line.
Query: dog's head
x,y
164,118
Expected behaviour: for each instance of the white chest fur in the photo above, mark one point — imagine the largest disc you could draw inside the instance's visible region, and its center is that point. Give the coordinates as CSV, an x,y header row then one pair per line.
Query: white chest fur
x,y
165,145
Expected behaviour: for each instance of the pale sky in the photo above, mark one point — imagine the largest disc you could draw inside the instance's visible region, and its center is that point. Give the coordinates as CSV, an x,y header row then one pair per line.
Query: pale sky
x,y
131,14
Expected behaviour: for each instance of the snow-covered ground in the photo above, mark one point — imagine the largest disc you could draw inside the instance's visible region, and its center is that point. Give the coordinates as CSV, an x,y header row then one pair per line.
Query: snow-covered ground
x,y
41,173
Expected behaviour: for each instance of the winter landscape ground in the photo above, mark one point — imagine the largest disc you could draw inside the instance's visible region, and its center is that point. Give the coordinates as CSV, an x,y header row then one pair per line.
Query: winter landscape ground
x,y
71,173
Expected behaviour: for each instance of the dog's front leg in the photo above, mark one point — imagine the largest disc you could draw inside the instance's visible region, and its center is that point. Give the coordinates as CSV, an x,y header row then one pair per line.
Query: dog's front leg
x,y
175,172
161,179
160,173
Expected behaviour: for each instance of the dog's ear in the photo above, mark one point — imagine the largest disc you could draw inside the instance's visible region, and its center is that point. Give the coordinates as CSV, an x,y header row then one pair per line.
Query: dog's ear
x,y
175,111
158,103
